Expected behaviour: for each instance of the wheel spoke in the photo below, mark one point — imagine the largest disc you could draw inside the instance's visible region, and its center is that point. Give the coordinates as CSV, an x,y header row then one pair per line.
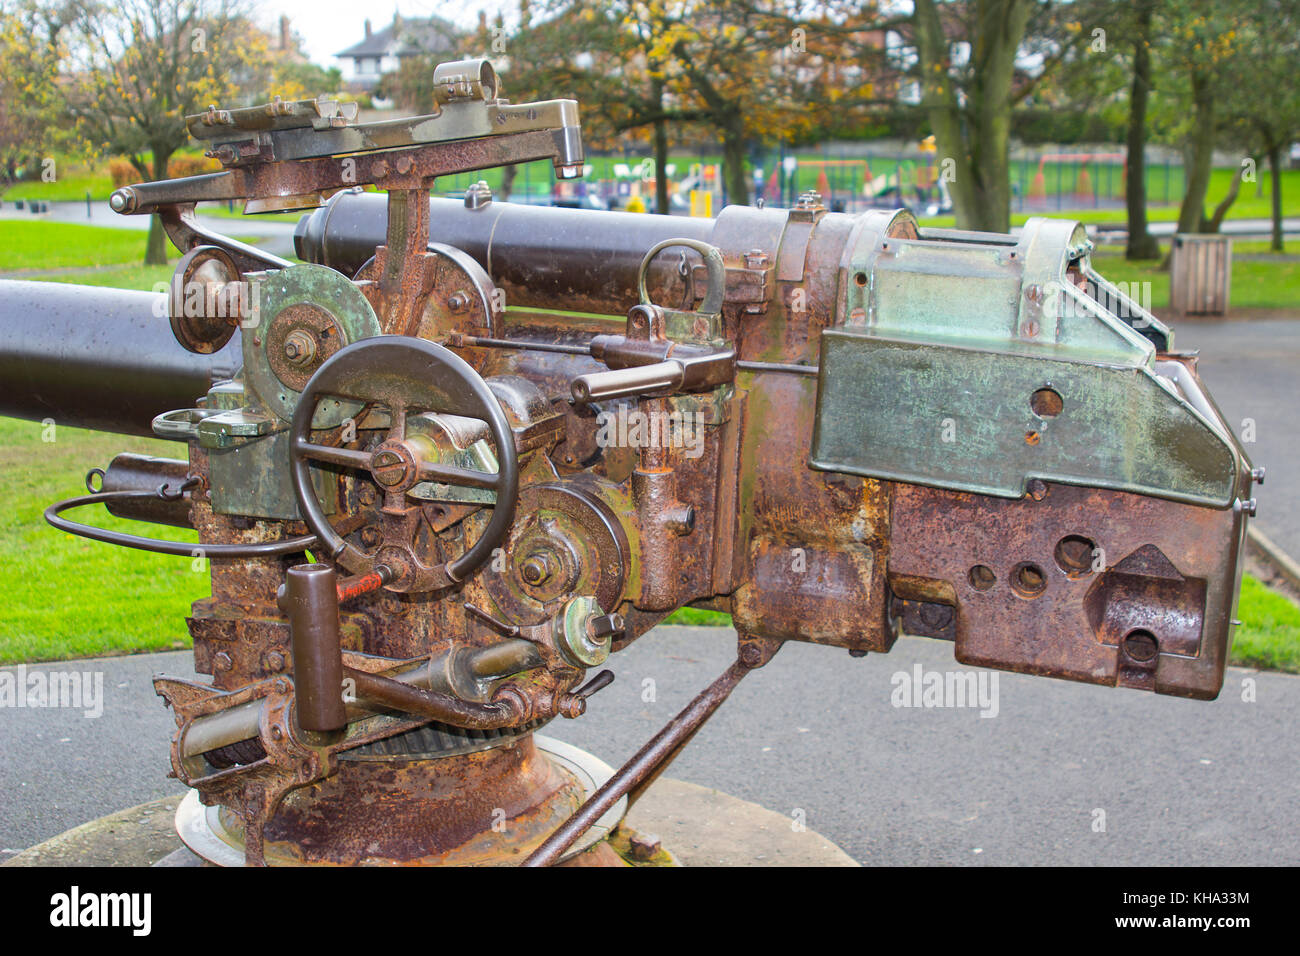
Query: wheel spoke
x,y
451,475
397,431
346,457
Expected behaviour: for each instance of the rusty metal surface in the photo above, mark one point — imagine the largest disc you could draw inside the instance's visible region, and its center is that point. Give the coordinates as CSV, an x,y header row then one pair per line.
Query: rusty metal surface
x,y
1111,564
477,809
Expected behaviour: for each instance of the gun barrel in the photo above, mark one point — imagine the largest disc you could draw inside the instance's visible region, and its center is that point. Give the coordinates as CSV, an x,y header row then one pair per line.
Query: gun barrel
x,y
538,254
92,357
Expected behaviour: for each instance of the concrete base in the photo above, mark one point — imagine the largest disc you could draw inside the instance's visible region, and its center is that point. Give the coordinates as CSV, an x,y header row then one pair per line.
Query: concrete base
x,y
701,827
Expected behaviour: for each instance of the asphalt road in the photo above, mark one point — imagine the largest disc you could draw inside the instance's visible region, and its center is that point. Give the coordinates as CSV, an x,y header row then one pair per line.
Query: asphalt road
x,y
814,735
1252,368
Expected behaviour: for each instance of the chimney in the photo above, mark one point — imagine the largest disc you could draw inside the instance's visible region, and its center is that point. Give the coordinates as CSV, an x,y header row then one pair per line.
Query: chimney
x,y
285,45
368,31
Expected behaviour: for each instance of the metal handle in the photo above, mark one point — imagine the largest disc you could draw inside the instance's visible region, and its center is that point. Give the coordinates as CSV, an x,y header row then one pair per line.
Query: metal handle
x,y
717,271
157,545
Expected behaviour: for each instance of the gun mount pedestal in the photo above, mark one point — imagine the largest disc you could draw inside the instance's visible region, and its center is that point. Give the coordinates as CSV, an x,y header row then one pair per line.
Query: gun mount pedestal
x,y
486,807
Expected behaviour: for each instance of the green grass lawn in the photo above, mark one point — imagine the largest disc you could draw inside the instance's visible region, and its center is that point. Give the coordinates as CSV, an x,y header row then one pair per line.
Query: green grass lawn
x,y
67,596
94,255
1269,282
1269,636
71,187
38,244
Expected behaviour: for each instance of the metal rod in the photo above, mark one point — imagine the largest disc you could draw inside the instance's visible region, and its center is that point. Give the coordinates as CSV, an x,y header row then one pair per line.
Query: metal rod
x,y
241,722
312,604
261,549
777,367
650,759
359,584
459,340
444,708
616,383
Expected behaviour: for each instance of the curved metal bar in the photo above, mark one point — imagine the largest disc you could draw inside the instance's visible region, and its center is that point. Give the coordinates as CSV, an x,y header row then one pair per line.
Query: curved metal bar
x,y
717,271
157,545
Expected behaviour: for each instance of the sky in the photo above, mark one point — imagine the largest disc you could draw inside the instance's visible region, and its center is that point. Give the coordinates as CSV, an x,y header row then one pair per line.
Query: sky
x,y
327,26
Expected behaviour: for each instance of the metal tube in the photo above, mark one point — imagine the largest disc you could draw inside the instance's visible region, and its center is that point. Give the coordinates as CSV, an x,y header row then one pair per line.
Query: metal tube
x,y
90,357
649,760
222,729
142,473
538,255
598,386
311,601
501,660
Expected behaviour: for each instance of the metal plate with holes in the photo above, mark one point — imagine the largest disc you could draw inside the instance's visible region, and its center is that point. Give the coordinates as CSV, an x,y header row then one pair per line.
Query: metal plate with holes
x,y
306,313
985,421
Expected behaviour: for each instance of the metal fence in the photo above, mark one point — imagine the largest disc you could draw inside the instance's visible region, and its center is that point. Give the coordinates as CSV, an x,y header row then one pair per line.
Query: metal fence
x,y
1047,181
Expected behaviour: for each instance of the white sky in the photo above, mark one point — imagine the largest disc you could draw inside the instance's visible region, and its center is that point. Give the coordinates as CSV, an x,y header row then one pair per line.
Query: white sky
x,y
327,26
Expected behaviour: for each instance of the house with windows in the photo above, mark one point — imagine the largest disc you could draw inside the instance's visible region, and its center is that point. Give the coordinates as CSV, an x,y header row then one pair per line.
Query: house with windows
x,y
381,51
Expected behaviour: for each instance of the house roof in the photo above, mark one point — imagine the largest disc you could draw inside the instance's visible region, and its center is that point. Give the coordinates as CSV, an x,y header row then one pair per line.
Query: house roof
x,y
406,38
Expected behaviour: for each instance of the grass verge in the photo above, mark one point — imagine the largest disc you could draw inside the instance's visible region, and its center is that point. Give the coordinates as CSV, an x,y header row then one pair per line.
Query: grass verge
x,y
1267,282
67,596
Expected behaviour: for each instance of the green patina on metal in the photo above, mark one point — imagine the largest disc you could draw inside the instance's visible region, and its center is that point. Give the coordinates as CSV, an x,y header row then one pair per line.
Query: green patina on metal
x,y
931,373
314,287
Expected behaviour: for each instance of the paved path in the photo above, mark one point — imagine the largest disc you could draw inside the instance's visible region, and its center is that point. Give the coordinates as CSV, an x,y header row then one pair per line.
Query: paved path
x,y
1180,782
1252,368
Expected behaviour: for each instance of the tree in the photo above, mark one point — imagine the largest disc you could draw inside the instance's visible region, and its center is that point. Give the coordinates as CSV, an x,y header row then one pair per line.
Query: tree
x,y
138,67
1264,97
31,106
977,60
1141,244
1195,40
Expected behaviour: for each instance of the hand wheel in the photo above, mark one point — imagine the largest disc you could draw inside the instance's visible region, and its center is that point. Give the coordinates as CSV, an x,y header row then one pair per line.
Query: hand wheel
x,y
403,374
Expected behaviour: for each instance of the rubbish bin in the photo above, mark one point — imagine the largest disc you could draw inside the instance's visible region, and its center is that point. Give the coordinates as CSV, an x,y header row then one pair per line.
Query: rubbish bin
x,y
1200,274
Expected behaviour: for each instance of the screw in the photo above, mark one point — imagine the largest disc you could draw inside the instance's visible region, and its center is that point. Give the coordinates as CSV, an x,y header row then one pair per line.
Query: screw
x,y
1257,474
1037,490
750,655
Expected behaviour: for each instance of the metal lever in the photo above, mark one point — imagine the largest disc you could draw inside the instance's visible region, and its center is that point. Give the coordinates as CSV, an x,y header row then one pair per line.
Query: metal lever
x,y
597,386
